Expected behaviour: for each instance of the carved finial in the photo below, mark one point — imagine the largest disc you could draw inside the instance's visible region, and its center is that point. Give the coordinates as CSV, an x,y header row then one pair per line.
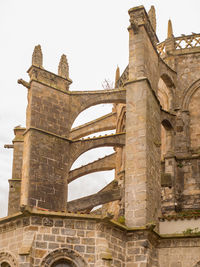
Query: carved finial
x,y
170,30
117,76
37,57
152,17
63,68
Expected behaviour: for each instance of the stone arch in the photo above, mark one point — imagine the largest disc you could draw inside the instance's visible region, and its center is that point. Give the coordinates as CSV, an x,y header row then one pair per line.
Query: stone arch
x,y
108,162
71,256
86,99
97,171
106,122
120,127
168,75
6,257
194,114
120,151
81,146
191,103
188,93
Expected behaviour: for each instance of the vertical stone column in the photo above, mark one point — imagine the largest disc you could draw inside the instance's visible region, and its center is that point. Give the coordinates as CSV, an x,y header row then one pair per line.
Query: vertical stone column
x,y
46,147
142,178
15,182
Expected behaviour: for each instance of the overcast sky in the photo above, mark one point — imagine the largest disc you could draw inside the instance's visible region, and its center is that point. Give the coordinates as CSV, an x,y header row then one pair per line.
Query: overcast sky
x,y
93,34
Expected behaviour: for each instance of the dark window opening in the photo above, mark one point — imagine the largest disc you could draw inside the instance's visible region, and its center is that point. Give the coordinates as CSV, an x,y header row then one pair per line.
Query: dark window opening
x,y
62,263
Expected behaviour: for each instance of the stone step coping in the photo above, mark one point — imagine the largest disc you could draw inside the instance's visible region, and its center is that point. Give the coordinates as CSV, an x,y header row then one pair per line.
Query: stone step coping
x,y
148,227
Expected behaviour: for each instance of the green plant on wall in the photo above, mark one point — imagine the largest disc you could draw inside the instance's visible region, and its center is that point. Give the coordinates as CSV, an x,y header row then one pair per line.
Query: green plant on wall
x,y
190,231
121,220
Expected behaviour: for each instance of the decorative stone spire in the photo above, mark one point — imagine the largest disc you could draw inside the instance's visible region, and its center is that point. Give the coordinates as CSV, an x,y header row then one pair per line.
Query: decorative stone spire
x,y
152,17
63,68
117,76
37,57
170,29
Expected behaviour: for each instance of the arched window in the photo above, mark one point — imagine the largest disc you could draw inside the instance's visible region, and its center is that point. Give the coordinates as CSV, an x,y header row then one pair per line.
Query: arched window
x,y
63,258
4,264
7,260
62,263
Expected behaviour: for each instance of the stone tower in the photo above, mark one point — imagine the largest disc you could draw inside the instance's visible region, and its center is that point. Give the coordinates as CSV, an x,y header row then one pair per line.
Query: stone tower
x,y
150,211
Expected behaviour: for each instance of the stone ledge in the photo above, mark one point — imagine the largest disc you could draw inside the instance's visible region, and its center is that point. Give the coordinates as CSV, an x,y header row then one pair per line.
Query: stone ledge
x,y
106,219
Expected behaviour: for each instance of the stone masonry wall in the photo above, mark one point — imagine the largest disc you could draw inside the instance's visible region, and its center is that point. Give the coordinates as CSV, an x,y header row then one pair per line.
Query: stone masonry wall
x,y
141,250
47,171
190,183
14,196
17,160
174,252
49,109
31,238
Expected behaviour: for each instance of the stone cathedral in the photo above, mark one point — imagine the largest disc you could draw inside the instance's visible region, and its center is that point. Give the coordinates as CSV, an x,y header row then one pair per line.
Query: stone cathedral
x,y
150,213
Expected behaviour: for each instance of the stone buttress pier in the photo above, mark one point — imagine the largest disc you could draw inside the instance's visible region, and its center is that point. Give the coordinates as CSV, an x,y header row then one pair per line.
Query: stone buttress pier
x,y
46,149
142,180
